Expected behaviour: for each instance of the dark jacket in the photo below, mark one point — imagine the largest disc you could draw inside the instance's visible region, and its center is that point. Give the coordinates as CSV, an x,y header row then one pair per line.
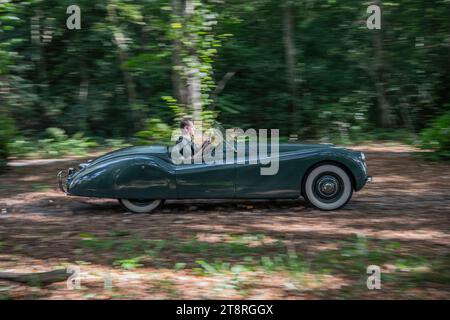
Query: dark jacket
x,y
183,143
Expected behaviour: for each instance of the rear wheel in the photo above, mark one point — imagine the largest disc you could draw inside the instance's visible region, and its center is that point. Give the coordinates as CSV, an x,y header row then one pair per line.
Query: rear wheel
x,y
328,187
141,205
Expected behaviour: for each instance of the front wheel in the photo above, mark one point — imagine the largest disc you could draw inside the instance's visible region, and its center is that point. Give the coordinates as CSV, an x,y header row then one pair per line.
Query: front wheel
x,y
141,206
328,187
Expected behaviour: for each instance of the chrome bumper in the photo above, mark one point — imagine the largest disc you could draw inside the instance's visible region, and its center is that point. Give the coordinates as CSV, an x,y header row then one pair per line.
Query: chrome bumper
x,y
369,179
62,181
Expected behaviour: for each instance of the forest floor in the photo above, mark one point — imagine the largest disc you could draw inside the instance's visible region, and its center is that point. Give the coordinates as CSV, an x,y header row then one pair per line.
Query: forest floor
x,y
233,249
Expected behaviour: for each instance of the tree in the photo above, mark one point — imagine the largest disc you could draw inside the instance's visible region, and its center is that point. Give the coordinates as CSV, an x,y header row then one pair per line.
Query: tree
x,y
291,59
194,45
379,76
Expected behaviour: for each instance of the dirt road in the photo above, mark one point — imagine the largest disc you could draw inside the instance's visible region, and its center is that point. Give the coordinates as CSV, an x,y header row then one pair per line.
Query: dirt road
x,y
234,249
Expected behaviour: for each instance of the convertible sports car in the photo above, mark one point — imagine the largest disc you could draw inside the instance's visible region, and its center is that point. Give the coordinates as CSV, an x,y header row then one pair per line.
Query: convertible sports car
x,y
143,177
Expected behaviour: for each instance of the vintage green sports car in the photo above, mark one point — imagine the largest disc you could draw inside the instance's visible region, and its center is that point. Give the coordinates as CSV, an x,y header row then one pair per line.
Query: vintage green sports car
x,y
141,178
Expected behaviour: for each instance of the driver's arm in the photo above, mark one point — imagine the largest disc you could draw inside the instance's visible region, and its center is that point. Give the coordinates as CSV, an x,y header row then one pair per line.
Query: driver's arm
x,y
206,146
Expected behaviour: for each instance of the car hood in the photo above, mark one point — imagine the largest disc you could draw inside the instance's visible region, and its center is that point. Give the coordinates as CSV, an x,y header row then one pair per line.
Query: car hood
x,y
304,146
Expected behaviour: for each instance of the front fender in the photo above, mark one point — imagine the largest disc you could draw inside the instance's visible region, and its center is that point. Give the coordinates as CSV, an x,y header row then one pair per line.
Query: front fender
x,y
130,177
351,160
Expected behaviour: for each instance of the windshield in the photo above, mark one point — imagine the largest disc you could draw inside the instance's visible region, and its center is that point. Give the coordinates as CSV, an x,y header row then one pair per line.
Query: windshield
x,y
227,136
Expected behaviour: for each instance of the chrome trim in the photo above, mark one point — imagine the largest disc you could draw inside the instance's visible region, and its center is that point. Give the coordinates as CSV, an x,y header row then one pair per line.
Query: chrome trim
x,y
369,179
61,175
363,156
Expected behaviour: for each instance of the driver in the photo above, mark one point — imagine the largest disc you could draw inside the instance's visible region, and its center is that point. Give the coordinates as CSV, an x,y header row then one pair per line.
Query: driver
x,y
185,140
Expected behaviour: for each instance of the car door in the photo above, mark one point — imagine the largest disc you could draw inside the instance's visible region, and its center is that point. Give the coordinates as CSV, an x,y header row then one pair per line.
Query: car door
x,y
206,181
250,183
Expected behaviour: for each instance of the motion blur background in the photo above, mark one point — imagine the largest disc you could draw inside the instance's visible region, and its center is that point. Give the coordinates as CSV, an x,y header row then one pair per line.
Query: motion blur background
x,y
309,67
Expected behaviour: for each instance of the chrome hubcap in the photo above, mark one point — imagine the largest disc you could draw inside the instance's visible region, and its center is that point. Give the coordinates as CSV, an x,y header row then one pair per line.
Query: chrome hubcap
x,y
327,186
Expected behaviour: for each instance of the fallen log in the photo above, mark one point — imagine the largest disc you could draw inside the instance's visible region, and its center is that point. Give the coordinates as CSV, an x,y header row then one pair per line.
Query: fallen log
x,y
36,278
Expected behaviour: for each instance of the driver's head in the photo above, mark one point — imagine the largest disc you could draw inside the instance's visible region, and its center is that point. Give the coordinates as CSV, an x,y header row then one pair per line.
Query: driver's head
x,y
187,127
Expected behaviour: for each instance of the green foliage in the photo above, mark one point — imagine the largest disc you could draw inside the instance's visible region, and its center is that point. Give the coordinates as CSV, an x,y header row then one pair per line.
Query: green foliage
x,y
40,187
196,46
179,110
106,79
113,143
156,132
7,132
55,144
233,260
166,286
386,135
128,264
179,266
437,137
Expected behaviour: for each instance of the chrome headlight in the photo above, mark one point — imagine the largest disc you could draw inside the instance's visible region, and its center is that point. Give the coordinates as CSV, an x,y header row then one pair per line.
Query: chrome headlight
x,y
363,157
363,161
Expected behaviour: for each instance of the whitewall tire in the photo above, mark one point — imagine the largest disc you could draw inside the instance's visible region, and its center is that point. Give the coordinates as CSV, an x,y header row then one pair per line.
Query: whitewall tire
x,y
141,206
328,187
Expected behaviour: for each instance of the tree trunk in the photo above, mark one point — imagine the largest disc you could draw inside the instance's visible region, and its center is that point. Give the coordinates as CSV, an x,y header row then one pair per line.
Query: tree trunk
x,y
383,103
39,59
291,60
187,88
83,93
179,84
36,279
119,39
194,91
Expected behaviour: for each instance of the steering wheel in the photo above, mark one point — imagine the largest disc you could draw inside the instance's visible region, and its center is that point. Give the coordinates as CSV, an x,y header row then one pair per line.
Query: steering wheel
x,y
216,137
